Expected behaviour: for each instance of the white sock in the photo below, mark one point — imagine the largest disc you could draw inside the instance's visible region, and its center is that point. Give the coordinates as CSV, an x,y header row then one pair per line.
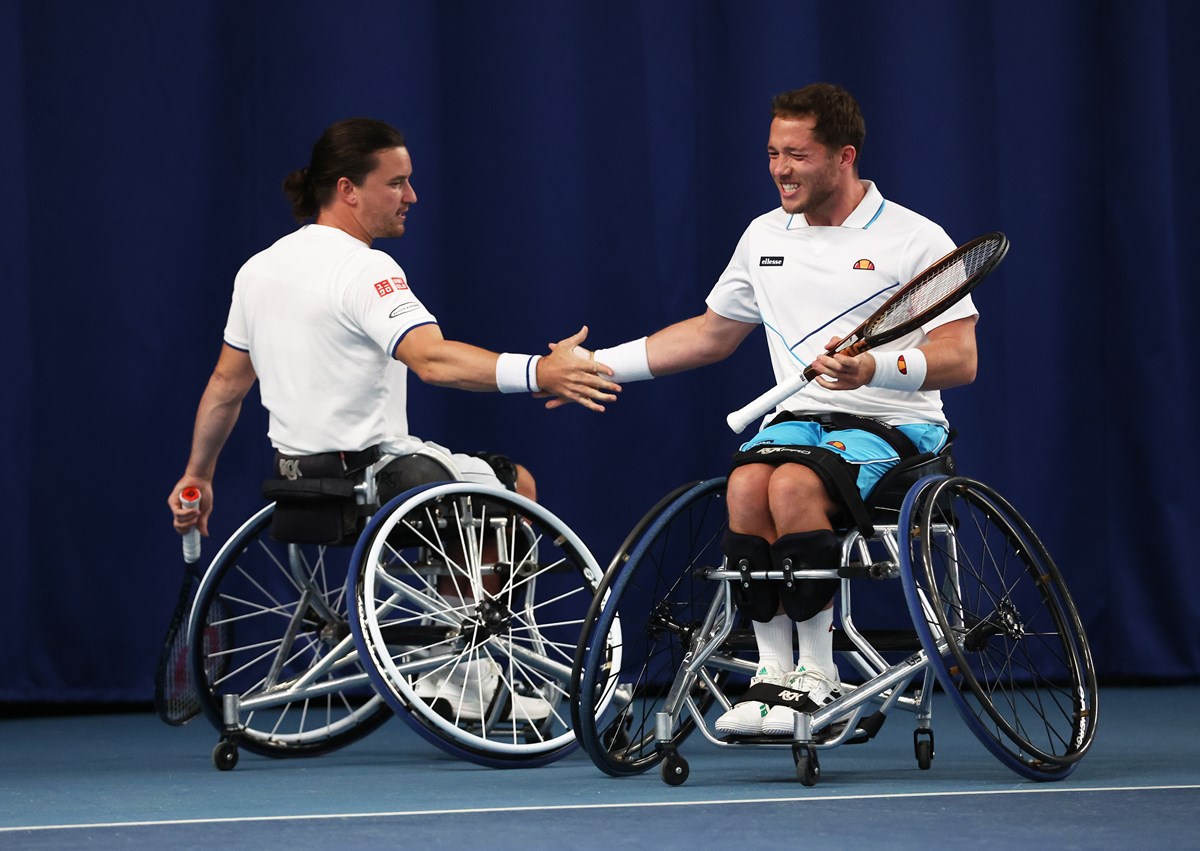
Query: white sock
x,y
815,637
774,640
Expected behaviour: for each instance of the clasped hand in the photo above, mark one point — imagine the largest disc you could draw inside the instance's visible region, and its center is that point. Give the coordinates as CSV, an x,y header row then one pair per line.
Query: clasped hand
x,y
841,371
570,374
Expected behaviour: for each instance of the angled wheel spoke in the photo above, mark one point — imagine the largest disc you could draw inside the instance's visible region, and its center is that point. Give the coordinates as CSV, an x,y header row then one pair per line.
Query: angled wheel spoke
x,y
1018,667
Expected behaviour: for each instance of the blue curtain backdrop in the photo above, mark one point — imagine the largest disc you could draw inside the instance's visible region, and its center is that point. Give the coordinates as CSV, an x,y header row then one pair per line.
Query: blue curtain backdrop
x,y
583,162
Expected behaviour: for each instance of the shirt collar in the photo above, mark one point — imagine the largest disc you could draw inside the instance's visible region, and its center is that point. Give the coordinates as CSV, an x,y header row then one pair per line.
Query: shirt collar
x,y
331,232
861,217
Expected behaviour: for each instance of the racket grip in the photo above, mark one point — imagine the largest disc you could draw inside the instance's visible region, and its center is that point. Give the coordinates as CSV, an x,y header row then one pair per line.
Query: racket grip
x,y
742,417
190,498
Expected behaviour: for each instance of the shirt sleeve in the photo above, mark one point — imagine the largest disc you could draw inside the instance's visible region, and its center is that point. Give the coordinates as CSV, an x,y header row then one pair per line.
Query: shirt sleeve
x,y
733,294
379,301
236,333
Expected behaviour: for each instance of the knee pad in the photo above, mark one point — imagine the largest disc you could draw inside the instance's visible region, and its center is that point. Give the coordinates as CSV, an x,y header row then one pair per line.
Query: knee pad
x,y
505,469
812,551
758,599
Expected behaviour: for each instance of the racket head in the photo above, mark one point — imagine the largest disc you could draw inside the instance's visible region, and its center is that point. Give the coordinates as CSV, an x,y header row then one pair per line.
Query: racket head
x,y
175,698
944,283
174,695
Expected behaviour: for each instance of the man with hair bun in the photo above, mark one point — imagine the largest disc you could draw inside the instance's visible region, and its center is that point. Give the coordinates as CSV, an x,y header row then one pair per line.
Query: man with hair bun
x,y
329,327
318,317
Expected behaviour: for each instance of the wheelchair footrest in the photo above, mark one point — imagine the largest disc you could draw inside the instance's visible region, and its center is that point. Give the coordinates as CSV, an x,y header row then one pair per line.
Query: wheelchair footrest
x,y
755,740
865,731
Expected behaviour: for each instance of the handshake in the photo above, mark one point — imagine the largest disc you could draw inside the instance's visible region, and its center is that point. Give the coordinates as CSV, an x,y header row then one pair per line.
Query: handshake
x,y
571,373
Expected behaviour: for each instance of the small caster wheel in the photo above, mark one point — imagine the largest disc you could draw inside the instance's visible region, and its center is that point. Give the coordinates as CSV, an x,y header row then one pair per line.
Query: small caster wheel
x,y
923,747
924,755
674,770
225,755
808,767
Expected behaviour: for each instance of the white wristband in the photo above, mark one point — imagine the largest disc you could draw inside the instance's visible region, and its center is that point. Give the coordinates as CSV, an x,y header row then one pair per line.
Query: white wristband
x,y
628,361
517,373
903,370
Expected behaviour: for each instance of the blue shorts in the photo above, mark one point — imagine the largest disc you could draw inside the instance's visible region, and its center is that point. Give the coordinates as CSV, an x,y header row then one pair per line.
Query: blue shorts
x,y
871,454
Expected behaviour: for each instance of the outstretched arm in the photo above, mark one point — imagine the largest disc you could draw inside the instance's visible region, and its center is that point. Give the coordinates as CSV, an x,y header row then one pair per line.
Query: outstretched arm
x,y
694,342
216,415
562,373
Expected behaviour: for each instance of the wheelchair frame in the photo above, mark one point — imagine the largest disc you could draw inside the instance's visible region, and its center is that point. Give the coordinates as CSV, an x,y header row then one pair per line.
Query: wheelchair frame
x,y
992,624
317,668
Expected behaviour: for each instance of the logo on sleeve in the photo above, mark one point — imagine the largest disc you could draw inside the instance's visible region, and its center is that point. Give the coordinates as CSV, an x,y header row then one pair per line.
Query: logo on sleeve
x,y
407,307
770,261
400,283
384,287
864,264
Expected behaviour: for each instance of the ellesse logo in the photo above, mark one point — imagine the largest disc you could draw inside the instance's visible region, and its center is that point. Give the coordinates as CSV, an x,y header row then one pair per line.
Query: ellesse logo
x,y
864,264
770,261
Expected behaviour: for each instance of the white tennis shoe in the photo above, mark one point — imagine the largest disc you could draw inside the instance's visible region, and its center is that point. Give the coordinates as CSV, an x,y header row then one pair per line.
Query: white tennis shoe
x,y
780,720
466,693
746,718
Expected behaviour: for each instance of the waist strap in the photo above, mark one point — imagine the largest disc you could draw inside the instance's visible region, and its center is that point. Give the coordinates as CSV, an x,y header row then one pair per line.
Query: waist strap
x,y
838,420
324,464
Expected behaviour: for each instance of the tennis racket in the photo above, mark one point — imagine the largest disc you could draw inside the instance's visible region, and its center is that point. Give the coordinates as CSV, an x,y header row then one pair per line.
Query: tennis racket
x,y
175,698
921,299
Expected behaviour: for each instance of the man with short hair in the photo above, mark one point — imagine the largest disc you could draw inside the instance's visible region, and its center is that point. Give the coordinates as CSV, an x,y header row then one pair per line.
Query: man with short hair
x,y
810,270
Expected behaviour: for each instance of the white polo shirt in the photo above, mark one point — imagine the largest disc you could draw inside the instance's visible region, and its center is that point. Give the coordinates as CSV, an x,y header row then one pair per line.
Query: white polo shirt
x,y
806,284
320,314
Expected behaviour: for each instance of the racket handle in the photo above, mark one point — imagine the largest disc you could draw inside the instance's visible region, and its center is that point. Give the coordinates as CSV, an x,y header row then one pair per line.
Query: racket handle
x,y
190,498
742,417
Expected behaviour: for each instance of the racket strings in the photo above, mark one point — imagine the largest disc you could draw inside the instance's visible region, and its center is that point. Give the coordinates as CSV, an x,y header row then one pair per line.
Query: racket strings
x,y
176,700
938,284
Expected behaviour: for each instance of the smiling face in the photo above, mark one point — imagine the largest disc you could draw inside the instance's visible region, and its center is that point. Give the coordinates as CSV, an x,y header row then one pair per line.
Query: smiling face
x,y
809,175
386,194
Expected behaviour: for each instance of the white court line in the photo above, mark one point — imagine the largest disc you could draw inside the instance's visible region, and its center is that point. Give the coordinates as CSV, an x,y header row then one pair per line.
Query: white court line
x,y
1041,790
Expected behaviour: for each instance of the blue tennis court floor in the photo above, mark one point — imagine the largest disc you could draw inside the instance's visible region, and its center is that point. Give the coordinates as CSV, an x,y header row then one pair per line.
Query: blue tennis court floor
x,y
125,780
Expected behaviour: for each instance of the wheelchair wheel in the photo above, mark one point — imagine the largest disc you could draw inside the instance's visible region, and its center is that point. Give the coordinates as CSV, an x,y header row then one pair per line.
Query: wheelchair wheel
x,y
269,625
614,567
641,625
468,604
1003,635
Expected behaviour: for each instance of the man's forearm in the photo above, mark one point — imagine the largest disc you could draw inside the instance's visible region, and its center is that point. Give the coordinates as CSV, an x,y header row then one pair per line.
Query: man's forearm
x,y
215,420
694,342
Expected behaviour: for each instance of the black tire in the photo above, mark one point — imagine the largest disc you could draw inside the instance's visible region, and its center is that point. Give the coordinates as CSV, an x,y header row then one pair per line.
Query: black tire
x,y
271,614
619,733
1005,641
674,770
808,765
225,755
640,626
924,753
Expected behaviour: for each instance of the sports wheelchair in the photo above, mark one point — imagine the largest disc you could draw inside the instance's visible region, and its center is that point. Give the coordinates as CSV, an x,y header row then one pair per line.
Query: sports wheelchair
x,y
457,606
991,622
